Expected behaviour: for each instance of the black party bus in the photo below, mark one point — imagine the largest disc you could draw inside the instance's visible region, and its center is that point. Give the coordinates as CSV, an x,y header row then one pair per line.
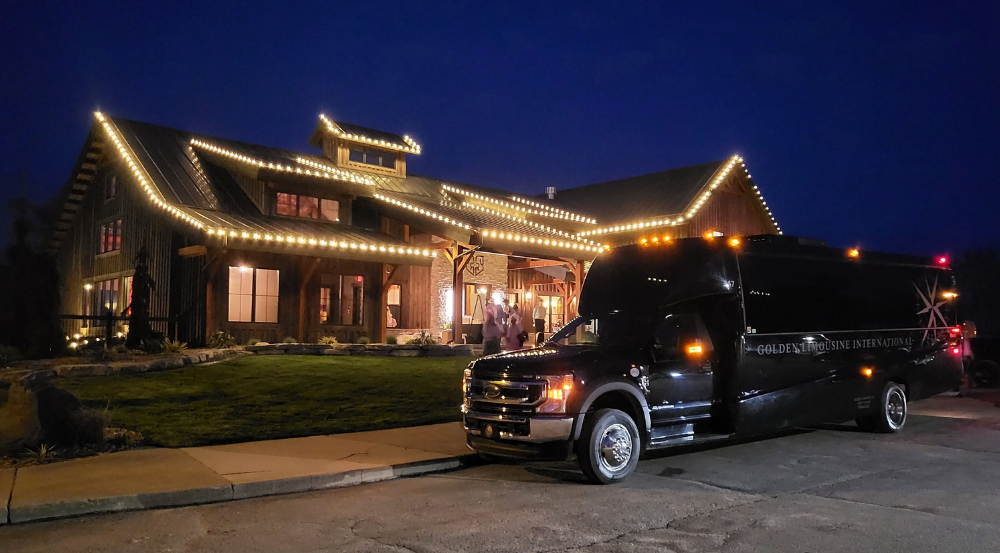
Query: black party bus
x,y
700,339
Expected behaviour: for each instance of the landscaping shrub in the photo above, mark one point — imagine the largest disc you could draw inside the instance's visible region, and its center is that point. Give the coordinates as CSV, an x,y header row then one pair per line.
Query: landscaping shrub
x,y
328,340
221,340
171,346
391,340
153,343
101,353
289,340
364,340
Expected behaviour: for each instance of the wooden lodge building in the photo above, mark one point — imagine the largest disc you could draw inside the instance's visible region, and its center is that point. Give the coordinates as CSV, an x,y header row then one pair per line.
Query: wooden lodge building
x,y
343,241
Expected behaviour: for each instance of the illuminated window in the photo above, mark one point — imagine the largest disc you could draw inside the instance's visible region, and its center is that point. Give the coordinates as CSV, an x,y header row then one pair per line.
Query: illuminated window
x,y
329,210
106,297
393,301
288,204
352,300
266,296
373,157
324,304
307,207
253,295
109,239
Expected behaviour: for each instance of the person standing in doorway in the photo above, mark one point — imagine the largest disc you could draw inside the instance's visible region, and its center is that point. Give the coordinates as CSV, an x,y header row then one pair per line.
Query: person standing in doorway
x,y
491,334
538,314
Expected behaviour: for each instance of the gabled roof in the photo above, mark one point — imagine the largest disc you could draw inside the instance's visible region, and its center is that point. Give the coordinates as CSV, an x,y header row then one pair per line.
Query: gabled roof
x,y
363,135
638,198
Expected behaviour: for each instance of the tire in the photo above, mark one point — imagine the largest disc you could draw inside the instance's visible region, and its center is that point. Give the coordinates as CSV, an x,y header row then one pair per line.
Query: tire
x,y
985,374
608,449
891,416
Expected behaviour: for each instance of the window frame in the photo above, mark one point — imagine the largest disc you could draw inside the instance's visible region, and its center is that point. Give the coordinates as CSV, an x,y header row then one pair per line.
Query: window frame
x,y
260,301
296,207
108,243
110,184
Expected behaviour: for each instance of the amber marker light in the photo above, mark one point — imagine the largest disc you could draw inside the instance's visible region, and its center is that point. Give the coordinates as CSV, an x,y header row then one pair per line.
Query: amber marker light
x,y
666,238
949,295
734,242
854,253
867,371
694,349
643,241
709,235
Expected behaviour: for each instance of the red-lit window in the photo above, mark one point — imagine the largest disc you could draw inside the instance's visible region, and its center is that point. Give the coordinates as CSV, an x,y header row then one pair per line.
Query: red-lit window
x,y
307,207
109,239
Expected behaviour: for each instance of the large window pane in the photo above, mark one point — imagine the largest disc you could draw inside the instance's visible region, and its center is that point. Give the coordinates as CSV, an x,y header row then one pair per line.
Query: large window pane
x,y
267,296
394,303
240,294
329,210
324,304
287,204
389,161
357,156
308,207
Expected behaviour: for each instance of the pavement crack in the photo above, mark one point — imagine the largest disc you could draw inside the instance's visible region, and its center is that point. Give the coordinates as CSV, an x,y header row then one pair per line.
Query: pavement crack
x,y
655,528
10,496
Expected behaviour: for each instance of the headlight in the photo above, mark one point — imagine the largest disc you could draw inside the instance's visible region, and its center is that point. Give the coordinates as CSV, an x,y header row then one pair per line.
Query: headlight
x,y
557,391
466,380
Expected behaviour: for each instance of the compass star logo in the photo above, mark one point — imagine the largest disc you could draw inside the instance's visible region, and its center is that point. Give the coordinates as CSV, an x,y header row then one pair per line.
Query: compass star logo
x,y
935,320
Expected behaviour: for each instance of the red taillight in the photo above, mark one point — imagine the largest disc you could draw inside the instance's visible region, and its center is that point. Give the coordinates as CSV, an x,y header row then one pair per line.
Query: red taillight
x,y
943,260
956,351
955,331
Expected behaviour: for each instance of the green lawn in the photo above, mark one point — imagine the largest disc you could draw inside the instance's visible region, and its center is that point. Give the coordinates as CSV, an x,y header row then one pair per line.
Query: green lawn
x,y
268,397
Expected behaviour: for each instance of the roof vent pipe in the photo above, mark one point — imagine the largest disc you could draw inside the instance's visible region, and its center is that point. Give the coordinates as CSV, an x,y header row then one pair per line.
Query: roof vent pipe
x,y
550,191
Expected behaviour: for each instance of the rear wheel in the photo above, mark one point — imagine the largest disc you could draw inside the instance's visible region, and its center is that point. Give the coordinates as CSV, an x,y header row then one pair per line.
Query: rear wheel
x,y
608,449
891,416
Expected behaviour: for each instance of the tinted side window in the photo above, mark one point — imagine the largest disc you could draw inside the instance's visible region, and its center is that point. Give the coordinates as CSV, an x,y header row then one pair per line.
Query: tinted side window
x,y
906,297
802,295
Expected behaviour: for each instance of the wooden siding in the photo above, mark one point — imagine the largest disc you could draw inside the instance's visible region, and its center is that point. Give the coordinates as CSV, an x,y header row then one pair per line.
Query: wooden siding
x,y
142,224
731,211
292,273
256,190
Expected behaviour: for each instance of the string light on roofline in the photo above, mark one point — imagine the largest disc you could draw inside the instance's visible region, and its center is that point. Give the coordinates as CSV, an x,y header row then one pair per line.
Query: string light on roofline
x,y
333,170
541,241
332,243
546,212
759,195
342,176
422,211
696,205
553,209
141,175
539,226
411,146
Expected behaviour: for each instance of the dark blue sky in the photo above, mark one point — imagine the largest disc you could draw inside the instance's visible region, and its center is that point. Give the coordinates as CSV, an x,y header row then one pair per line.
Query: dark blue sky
x,y
875,123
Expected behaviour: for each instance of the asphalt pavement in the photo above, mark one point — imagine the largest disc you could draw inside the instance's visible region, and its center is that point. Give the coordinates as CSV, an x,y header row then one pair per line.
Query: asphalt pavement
x,y
932,487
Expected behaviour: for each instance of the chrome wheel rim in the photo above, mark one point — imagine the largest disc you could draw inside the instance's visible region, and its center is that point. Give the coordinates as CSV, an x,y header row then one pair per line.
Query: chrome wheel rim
x,y
895,408
615,448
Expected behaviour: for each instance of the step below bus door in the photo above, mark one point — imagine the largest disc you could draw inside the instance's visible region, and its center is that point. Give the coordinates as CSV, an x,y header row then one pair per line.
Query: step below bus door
x,y
680,375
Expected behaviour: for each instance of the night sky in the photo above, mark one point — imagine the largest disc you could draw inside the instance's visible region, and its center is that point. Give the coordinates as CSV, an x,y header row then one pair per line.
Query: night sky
x,y
870,124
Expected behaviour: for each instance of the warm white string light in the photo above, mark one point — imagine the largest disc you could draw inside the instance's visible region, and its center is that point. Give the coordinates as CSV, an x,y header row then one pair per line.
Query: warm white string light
x,y
141,175
695,206
539,226
548,212
422,211
333,170
540,241
411,146
289,240
554,212
340,175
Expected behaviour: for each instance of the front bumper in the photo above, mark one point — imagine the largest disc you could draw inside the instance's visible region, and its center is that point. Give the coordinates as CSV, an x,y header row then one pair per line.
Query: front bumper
x,y
535,429
529,438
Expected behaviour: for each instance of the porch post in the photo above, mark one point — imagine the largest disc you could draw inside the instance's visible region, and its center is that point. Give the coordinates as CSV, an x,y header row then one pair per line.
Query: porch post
x,y
307,271
457,285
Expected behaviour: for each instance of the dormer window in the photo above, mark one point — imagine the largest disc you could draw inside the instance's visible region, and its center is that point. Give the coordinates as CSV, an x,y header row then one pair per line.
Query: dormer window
x,y
307,207
370,156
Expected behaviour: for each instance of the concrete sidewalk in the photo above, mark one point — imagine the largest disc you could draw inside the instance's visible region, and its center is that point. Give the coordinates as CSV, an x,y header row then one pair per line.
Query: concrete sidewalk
x,y
150,478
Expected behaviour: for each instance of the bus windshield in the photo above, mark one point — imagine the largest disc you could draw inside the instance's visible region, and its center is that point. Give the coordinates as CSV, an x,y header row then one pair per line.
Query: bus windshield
x,y
609,329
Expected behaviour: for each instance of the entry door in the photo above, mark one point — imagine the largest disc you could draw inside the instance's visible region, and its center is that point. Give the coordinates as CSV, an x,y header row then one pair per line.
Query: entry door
x,y
680,376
